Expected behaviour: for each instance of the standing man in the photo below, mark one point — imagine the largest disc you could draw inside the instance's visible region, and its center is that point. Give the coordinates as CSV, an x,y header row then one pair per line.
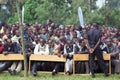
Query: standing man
x,y
94,40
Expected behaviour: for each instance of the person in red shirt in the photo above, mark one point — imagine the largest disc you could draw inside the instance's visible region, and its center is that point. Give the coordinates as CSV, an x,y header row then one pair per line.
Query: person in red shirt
x,y
1,47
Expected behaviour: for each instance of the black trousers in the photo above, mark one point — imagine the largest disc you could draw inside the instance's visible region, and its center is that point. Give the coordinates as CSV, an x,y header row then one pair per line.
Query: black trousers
x,y
99,56
59,67
37,65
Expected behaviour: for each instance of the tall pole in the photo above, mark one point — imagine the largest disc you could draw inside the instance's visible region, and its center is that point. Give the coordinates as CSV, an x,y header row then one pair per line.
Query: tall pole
x,y
105,10
22,38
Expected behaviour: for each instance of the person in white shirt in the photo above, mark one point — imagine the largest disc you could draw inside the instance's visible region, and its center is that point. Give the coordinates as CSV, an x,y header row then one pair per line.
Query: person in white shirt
x,y
43,49
69,50
16,37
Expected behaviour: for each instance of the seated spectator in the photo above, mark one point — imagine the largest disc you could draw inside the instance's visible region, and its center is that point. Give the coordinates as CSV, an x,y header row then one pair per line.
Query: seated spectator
x,y
103,46
13,48
115,40
69,50
43,49
44,34
29,35
74,36
35,40
16,37
114,52
54,35
2,25
53,47
49,23
79,32
7,35
1,47
59,66
67,34
29,49
4,65
82,49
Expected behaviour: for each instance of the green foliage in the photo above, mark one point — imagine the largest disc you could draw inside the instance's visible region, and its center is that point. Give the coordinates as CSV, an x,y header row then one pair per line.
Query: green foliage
x,y
94,17
43,11
113,17
56,10
59,12
13,19
110,13
47,76
30,7
1,15
3,1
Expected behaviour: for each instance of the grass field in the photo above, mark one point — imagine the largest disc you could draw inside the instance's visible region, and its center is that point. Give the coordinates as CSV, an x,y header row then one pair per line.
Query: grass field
x,y
47,76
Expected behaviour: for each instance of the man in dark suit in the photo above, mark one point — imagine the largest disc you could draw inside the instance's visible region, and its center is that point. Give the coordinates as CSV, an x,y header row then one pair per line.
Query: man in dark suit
x,y
113,49
94,40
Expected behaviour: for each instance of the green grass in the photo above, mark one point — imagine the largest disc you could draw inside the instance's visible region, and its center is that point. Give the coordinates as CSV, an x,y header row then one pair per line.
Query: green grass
x,y
47,76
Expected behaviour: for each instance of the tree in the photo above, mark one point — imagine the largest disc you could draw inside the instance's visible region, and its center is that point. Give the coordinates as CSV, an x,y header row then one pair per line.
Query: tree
x,y
111,12
57,11
60,11
65,11
18,6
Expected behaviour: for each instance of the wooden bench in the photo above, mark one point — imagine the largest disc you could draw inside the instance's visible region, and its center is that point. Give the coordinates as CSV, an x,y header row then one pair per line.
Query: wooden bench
x,y
85,57
11,57
46,58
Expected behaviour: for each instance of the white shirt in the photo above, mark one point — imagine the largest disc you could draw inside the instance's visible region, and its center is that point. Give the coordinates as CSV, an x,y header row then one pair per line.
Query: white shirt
x,y
41,49
71,53
15,39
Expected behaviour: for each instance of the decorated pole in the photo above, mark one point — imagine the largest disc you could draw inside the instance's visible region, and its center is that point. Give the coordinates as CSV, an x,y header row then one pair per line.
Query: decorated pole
x,y
22,38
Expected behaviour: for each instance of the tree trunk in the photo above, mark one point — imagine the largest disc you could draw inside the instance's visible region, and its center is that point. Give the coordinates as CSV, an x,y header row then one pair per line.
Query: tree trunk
x,y
22,38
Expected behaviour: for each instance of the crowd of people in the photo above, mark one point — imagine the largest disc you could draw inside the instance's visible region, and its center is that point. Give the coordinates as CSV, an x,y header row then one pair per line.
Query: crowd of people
x,y
61,40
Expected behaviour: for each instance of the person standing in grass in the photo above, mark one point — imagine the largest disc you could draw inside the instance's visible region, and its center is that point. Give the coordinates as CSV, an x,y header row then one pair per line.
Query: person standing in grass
x,y
94,40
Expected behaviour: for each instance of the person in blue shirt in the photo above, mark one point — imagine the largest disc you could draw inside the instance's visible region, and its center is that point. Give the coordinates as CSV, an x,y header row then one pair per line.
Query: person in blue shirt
x,y
44,35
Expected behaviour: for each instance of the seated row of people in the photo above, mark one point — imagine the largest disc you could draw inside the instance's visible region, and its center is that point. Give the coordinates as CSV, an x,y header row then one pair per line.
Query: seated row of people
x,y
65,48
